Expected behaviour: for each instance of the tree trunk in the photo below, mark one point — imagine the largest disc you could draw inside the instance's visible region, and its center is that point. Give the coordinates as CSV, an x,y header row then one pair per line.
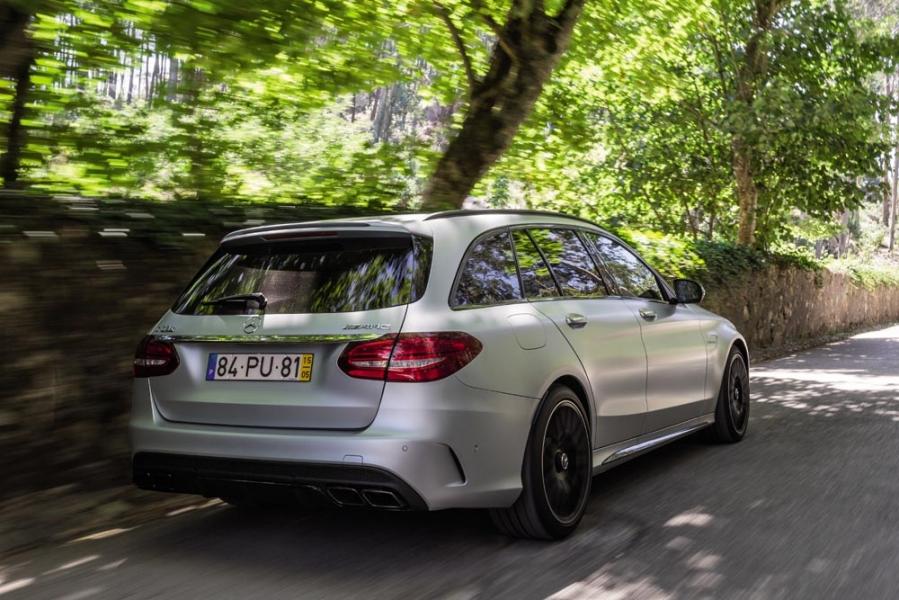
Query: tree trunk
x,y
130,94
887,195
528,48
843,236
747,192
894,197
887,119
15,45
174,72
111,85
383,115
154,82
11,160
752,72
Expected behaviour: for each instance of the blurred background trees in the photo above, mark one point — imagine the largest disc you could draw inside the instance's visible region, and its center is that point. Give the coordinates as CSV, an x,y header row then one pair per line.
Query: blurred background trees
x,y
763,122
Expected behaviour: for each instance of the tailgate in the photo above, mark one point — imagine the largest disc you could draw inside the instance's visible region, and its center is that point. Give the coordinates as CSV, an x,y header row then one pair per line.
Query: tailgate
x,y
328,400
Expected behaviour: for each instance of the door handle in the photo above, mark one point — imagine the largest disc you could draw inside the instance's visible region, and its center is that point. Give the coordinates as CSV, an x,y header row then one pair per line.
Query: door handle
x,y
648,315
575,321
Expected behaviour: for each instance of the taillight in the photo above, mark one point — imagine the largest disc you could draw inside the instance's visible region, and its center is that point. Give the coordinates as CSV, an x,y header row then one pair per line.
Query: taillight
x,y
409,356
154,357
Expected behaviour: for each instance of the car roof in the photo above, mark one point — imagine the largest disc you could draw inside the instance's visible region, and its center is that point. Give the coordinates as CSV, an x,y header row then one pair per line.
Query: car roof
x,y
402,222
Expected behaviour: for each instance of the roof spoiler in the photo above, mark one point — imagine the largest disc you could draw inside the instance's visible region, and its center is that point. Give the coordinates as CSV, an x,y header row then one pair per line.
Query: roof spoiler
x,y
313,229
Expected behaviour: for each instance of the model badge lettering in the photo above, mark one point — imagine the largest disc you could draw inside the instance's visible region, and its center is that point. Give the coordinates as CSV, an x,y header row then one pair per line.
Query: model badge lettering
x,y
367,326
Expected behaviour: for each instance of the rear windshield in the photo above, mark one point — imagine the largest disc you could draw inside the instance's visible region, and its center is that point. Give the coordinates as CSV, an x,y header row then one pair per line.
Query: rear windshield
x,y
319,276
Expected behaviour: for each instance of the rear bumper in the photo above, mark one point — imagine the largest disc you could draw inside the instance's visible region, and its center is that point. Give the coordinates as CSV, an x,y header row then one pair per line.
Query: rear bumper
x,y
343,485
447,446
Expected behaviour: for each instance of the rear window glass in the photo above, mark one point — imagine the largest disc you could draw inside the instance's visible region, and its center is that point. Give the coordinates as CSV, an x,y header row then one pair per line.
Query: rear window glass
x,y
489,275
322,276
536,277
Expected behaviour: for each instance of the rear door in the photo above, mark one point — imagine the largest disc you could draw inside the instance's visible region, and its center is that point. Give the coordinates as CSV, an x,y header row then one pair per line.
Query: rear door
x,y
675,347
560,277
243,364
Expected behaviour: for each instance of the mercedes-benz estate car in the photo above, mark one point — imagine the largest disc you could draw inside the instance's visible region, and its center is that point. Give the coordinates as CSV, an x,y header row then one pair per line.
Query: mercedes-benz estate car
x,y
493,359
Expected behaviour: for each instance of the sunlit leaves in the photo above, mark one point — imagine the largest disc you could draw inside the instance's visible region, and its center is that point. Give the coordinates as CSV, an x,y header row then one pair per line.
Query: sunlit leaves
x,y
640,120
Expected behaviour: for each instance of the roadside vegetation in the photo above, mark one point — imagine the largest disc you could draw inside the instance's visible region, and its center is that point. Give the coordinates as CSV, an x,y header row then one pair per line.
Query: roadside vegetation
x,y
715,135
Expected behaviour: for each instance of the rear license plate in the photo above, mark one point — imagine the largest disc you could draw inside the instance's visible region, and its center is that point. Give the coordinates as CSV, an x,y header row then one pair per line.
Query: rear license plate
x,y
259,367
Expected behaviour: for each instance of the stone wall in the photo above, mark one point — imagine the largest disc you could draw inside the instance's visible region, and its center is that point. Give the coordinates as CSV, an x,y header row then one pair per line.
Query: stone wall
x,y
82,281
780,308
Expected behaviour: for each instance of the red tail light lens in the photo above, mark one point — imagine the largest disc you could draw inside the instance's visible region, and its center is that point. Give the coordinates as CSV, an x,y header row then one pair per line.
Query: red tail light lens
x,y
154,357
367,360
410,356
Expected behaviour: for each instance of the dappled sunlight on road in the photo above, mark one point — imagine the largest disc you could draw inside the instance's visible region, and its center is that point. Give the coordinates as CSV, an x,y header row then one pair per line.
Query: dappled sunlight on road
x,y
855,376
610,587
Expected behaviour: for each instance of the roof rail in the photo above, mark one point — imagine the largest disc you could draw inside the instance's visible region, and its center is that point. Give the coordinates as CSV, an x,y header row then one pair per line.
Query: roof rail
x,y
451,214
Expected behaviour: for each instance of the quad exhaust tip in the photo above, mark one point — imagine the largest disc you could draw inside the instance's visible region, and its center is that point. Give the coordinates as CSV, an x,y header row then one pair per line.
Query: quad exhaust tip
x,y
382,499
346,496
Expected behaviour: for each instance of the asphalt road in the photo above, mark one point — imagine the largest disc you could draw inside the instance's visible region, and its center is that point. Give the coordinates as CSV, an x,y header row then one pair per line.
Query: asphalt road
x,y
805,507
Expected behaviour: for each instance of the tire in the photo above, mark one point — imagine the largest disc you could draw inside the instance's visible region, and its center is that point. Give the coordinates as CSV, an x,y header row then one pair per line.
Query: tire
x,y
556,474
732,409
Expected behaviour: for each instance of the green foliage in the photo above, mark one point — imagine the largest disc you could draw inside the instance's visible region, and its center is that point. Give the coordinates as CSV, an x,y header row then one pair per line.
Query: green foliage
x,y
352,102
643,131
672,256
719,262
867,273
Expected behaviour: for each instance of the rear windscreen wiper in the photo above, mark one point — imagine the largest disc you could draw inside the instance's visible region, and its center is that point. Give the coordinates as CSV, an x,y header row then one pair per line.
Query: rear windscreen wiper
x,y
257,297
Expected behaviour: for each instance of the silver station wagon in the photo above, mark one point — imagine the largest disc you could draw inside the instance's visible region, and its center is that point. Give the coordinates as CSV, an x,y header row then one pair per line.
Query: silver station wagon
x,y
491,359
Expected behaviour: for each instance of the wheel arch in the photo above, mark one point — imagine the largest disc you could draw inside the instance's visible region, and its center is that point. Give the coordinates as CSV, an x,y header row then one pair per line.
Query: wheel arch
x,y
728,338
580,390
740,344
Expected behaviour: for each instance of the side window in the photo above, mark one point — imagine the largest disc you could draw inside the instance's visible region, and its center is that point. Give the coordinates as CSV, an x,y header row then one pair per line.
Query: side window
x,y
632,276
535,275
570,262
488,275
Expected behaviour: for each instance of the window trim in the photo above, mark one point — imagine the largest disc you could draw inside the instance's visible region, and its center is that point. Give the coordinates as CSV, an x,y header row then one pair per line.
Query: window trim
x,y
610,283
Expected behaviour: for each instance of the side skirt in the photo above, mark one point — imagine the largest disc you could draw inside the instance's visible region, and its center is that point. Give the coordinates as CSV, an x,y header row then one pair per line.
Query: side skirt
x,y
611,456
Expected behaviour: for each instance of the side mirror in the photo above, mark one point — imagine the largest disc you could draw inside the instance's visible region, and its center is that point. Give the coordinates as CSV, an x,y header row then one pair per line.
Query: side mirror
x,y
687,291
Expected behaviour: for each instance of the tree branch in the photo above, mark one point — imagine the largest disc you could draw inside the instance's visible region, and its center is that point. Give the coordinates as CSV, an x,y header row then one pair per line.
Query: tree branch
x,y
570,12
444,15
497,29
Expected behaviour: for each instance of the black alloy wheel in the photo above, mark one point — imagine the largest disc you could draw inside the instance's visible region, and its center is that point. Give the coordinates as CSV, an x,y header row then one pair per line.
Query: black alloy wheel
x,y
732,410
566,450
557,472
